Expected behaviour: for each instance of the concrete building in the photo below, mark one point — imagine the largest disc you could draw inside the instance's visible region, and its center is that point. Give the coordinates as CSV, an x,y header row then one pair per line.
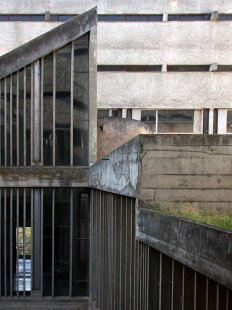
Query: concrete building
x,y
165,63
77,233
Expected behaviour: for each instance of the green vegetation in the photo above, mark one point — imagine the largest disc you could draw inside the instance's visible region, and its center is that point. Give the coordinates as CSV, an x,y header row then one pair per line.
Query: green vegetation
x,y
218,218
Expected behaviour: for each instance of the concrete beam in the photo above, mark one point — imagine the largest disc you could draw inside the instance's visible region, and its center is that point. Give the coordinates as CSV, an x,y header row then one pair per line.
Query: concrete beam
x,y
175,90
44,177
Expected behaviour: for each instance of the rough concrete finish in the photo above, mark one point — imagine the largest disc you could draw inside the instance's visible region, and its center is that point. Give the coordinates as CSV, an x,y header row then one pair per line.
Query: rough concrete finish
x,y
200,247
113,132
141,43
165,43
180,170
14,34
44,177
116,6
183,90
118,171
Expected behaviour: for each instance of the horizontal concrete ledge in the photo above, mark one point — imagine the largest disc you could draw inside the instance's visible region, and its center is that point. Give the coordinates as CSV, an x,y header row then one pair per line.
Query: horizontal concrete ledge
x,y
201,247
44,177
45,303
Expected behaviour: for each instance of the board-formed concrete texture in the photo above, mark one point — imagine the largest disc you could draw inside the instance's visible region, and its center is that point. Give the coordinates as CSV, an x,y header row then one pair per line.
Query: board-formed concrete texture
x,y
120,6
185,169
169,169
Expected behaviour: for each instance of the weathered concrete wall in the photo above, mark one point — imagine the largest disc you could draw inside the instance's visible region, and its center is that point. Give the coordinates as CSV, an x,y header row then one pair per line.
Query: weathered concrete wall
x,y
118,171
183,90
165,43
142,43
185,170
200,247
113,132
116,6
14,34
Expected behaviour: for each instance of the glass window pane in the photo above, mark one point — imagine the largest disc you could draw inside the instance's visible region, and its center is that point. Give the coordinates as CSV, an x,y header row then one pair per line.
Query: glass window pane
x,y
229,121
14,120
102,113
19,18
48,110
148,116
47,242
7,128
4,18
62,241
63,108
2,122
37,17
21,118
81,101
80,242
175,121
28,115
136,18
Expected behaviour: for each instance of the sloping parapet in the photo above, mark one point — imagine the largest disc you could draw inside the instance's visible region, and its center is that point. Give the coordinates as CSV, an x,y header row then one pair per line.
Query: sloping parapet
x,y
203,248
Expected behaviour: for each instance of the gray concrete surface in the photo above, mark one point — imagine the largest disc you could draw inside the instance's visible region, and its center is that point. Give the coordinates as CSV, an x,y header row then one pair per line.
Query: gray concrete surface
x,y
183,90
118,6
200,247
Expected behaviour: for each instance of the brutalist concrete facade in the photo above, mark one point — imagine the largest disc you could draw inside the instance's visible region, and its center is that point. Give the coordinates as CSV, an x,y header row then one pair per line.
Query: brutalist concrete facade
x,y
136,43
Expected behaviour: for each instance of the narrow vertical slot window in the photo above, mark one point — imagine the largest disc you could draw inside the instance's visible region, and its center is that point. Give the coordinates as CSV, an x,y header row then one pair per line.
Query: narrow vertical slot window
x,y
2,160
229,121
28,116
21,118
80,242
14,119
81,101
63,107
62,242
48,110
8,122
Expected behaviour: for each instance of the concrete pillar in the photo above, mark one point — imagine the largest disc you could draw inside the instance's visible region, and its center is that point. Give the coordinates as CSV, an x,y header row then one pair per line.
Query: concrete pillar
x,y
213,67
211,118
214,16
124,113
198,122
136,114
222,121
47,16
164,68
165,17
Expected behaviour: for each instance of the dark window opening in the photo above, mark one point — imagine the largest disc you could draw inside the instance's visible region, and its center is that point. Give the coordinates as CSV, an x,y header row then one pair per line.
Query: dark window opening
x,y
129,68
229,121
129,113
225,17
205,121
117,113
188,68
175,121
224,68
148,116
102,113
189,17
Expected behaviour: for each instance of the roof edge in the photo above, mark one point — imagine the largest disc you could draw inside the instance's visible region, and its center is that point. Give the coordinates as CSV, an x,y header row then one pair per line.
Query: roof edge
x,y
47,42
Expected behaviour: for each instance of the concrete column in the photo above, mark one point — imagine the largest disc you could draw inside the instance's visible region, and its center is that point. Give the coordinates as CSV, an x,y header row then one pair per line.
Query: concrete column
x,y
211,118
198,122
222,121
136,114
124,111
